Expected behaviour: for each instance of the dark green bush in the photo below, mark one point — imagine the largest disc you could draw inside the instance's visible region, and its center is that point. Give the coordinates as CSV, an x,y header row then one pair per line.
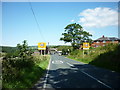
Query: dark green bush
x,y
15,64
105,56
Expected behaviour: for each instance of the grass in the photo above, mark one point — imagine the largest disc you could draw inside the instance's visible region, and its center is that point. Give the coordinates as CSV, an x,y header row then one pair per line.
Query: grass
x,y
78,56
2,54
28,76
44,64
106,57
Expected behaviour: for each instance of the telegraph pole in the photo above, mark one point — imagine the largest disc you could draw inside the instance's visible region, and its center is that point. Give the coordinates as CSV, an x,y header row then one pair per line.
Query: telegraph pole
x,y
48,48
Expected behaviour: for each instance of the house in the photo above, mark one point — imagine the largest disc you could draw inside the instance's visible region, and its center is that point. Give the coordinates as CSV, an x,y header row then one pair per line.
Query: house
x,y
104,40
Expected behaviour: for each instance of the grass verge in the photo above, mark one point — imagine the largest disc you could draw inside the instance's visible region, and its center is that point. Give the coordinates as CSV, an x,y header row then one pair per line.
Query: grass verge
x,y
25,77
106,57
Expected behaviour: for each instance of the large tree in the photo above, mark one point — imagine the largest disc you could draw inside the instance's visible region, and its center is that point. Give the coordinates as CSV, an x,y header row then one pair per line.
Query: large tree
x,y
75,34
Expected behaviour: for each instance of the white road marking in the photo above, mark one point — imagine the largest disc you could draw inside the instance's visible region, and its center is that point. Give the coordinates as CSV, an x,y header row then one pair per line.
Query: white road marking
x,y
92,77
96,79
57,62
45,81
53,62
69,64
61,61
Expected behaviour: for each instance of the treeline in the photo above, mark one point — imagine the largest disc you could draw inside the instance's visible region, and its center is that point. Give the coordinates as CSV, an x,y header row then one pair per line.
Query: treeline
x,y
7,49
64,48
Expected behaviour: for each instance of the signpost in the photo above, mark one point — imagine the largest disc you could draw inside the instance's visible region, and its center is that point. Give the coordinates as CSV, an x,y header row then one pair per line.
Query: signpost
x,y
42,46
86,46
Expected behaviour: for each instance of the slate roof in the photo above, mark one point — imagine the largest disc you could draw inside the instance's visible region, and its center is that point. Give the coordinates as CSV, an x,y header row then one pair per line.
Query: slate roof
x,y
107,39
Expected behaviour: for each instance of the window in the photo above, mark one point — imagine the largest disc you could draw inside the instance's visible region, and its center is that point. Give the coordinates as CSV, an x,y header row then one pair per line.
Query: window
x,y
104,41
97,42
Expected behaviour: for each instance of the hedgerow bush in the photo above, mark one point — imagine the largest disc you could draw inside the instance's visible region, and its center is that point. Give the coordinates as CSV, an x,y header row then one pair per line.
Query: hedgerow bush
x,y
107,56
19,68
110,59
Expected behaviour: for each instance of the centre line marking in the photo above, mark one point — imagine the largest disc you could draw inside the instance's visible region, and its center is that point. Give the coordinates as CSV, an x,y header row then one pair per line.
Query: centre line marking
x,y
70,64
96,79
57,62
53,62
61,61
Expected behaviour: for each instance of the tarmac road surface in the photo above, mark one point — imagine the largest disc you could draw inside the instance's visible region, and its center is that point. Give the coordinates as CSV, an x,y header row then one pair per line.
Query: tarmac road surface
x,y
66,73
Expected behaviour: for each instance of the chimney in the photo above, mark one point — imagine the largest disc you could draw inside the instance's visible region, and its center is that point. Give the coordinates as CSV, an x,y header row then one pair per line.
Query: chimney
x,y
103,36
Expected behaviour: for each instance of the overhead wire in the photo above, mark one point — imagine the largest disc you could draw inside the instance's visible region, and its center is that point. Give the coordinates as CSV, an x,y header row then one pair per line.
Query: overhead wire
x,y
36,21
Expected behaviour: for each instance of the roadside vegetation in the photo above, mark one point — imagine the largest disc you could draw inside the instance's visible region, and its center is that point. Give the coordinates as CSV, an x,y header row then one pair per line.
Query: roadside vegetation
x,y
22,68
65,49
106,56
76,35
7,49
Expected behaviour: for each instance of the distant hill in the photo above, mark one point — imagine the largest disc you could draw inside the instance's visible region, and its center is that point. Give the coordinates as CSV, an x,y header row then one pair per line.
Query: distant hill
x,y
8,49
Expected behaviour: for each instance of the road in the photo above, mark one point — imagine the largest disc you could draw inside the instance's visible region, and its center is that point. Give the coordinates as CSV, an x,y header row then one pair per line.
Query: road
x,y
67,73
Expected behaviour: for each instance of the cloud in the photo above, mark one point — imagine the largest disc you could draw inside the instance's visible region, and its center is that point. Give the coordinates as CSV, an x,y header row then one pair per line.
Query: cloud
x,y
90,31
72,20
99,17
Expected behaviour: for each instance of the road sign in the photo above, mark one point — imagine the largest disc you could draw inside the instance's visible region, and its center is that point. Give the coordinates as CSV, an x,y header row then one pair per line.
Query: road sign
x,y
42,46
86,46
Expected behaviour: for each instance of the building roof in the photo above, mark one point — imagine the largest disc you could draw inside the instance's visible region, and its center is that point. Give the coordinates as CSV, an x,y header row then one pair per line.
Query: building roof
x,y
107,39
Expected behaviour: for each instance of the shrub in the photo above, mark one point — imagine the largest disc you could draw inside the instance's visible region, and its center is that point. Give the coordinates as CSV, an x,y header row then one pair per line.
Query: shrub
x,y
15,63
105,56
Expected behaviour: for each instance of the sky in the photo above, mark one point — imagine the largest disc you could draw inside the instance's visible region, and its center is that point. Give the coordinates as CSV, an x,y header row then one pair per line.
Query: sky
x,y
18,22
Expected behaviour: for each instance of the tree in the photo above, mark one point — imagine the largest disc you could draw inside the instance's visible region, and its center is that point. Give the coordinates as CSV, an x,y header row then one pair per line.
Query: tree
x,y
75,34
24,50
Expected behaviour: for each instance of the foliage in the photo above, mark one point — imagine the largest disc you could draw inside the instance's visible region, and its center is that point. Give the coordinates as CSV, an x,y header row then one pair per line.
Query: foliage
x,y
109,58
24,70
75,34
60,47
104,56
38,59
21,51
12,54
6,49
23,74
2,54
66,51
24,50
64,48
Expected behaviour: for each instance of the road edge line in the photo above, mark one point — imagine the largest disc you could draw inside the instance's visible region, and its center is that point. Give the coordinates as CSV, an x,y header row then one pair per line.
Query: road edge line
x,y
45,81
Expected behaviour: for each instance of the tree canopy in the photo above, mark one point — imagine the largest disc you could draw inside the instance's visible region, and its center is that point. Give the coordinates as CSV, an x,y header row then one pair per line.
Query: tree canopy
x,y
75,34
24,50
